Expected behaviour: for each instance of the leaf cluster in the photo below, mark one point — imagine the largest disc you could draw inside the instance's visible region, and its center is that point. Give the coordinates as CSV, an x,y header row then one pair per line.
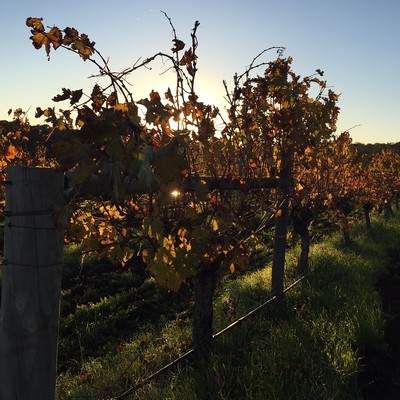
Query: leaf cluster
x,y
54,37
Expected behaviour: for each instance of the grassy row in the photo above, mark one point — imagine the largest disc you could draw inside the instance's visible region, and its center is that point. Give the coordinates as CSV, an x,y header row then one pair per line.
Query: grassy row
x,y
313,350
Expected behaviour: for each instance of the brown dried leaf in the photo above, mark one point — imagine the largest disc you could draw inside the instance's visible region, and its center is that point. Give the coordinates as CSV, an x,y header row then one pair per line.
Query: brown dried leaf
x,y
64,96
35,23
112,99
40,39
155,97
76,96
71,34
39,112
178,45
55,37
84,51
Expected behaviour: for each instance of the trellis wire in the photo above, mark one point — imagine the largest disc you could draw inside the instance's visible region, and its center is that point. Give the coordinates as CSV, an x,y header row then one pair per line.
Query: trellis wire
x,y
237,322
215,336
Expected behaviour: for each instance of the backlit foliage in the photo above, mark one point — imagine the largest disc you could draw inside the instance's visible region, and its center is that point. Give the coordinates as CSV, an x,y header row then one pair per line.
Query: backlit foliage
x,y
139,152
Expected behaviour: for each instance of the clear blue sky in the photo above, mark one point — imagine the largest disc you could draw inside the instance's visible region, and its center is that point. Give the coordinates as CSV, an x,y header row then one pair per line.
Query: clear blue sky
x,y
356,43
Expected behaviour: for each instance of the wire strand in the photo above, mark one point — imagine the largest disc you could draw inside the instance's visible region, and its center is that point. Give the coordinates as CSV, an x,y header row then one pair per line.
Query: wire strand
x,y
235,323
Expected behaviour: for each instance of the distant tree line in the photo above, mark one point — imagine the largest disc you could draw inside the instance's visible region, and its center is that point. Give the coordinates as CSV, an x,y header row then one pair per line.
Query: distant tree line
x,y
373,148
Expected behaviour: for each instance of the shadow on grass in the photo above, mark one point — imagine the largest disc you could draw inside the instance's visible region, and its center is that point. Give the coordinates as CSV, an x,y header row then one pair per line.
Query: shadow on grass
x,y
380,374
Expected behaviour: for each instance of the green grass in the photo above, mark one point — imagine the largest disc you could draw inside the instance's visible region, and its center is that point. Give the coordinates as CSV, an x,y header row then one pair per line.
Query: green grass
x,y
102,307
312,349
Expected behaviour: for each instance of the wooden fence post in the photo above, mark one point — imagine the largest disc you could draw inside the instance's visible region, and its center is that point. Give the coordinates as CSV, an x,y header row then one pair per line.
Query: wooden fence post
x,y
31,283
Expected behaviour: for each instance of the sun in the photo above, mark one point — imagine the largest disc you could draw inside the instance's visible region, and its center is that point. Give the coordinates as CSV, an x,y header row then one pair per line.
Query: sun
x,y
177,125
183,123
175,193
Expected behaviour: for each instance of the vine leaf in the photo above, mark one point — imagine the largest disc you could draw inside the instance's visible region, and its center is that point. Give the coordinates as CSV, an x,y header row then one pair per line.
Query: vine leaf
x,y
173,263
12,152
112,99
76,96
178,45
55,37
98,98
73,95
71,34
40,39
155,98
187,58
64,96
35,23
84,47
79,43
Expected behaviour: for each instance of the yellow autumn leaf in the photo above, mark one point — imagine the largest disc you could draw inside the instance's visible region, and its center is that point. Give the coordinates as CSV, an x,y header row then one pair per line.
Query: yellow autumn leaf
x,y
12,152
121,107
214,225
167,242
165,259
182,232
145,255
102,228
127,255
